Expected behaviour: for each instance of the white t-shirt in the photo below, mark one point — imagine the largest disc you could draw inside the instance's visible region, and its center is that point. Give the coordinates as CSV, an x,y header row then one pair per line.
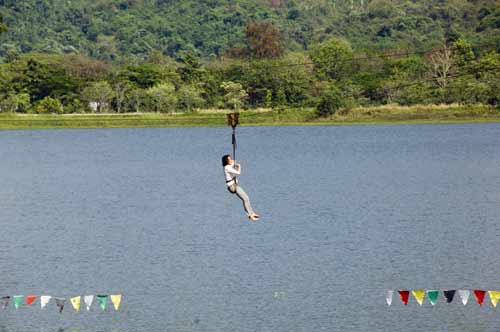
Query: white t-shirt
x,y
230,173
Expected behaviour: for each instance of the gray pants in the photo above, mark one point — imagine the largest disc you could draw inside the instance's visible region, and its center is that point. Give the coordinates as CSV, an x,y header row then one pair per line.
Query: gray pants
x,y
236,189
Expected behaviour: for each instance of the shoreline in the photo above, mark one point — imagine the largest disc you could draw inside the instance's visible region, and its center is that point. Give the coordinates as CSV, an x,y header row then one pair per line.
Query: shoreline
x,y
381,115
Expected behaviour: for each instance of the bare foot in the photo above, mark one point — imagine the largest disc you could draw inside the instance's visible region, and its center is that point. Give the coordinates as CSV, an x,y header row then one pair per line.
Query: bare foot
x,y
253,217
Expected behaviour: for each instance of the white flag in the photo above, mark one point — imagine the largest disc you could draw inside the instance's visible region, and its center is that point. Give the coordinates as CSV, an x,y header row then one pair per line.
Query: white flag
x,y
464,295
44,300
388,297
88,300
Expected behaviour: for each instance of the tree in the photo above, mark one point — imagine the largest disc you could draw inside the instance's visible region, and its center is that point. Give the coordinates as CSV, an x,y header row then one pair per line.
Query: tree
x,y
12,54
135,99
15,103
49,105
331,100
234,94
442,66
3,27
162,97
488,69
332,59
42,75
191,70
463,54
265,80
189,97
83,68
404,83
148,75
98,95
121,89
106,48
263,40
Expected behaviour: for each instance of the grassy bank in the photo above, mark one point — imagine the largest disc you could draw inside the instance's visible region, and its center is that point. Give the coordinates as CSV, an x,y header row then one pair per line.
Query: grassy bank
x,y
208,118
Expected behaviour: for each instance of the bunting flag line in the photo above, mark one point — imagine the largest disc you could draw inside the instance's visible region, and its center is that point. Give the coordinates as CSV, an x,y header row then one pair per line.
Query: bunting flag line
x,y
464,295
388,297
30,299
419,295
404,295
449,294
4,302
479,294
44,300
17,300
103,301
433,296
494,297
88,299
60,303
117,299
75,301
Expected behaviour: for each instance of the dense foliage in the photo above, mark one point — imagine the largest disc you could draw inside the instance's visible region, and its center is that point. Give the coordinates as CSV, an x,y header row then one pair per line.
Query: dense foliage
x,y
166,56
128,30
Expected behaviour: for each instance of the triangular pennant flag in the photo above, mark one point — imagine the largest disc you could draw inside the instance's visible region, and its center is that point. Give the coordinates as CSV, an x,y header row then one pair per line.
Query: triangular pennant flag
x,y
30,299
449,294
4,302
117,299
479,294
388,297
18,299
75,301
103,301
60,303
88,300
494,297
433,296
419,295
44,300
404,295
464,295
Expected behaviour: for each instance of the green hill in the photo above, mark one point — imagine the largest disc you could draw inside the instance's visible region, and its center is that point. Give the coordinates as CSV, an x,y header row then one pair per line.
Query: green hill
x,y
125,31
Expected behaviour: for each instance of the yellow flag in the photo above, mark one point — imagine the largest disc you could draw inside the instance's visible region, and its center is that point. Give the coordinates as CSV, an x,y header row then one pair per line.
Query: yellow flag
x,y
494,297
75,301
419,295
116,299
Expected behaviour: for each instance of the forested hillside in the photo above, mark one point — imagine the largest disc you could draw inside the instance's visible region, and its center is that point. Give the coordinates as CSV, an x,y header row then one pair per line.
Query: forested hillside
x,y
167,56
129,30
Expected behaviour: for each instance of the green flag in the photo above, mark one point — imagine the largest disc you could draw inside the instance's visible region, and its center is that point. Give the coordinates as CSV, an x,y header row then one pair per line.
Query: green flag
x,y
18,299
103,301
433,295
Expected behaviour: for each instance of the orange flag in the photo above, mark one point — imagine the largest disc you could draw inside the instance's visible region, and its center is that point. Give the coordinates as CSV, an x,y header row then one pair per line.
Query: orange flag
x,y
30,299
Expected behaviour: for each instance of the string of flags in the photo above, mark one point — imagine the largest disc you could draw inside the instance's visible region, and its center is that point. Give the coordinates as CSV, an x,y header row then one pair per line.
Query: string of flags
x,y
60,302
432,295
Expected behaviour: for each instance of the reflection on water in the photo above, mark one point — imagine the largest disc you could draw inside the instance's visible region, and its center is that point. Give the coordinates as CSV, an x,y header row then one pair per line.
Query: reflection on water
x,y
347,213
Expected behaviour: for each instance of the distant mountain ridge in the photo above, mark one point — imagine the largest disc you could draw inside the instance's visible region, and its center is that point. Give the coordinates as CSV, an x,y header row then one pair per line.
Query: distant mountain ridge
x,y
129,30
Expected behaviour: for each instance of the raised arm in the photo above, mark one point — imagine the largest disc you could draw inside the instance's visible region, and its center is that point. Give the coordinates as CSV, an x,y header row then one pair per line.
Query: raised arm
x,y
234,170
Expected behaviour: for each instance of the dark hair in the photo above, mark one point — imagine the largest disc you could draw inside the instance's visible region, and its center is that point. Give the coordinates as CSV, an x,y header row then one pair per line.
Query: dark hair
x,y
225,160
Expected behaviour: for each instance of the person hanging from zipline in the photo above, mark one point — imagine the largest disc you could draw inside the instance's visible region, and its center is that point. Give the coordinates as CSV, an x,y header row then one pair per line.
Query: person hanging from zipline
x,y
231,170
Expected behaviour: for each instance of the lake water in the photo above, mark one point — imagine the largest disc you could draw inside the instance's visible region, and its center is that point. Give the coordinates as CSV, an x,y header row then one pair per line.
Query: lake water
x,y
347,213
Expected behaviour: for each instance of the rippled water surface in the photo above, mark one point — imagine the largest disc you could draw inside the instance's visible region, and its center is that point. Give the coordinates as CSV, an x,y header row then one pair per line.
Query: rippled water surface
x,y
347,213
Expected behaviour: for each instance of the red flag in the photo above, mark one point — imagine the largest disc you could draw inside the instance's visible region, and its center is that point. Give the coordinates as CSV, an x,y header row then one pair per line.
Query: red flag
x,y
30,299
479,294
404,294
